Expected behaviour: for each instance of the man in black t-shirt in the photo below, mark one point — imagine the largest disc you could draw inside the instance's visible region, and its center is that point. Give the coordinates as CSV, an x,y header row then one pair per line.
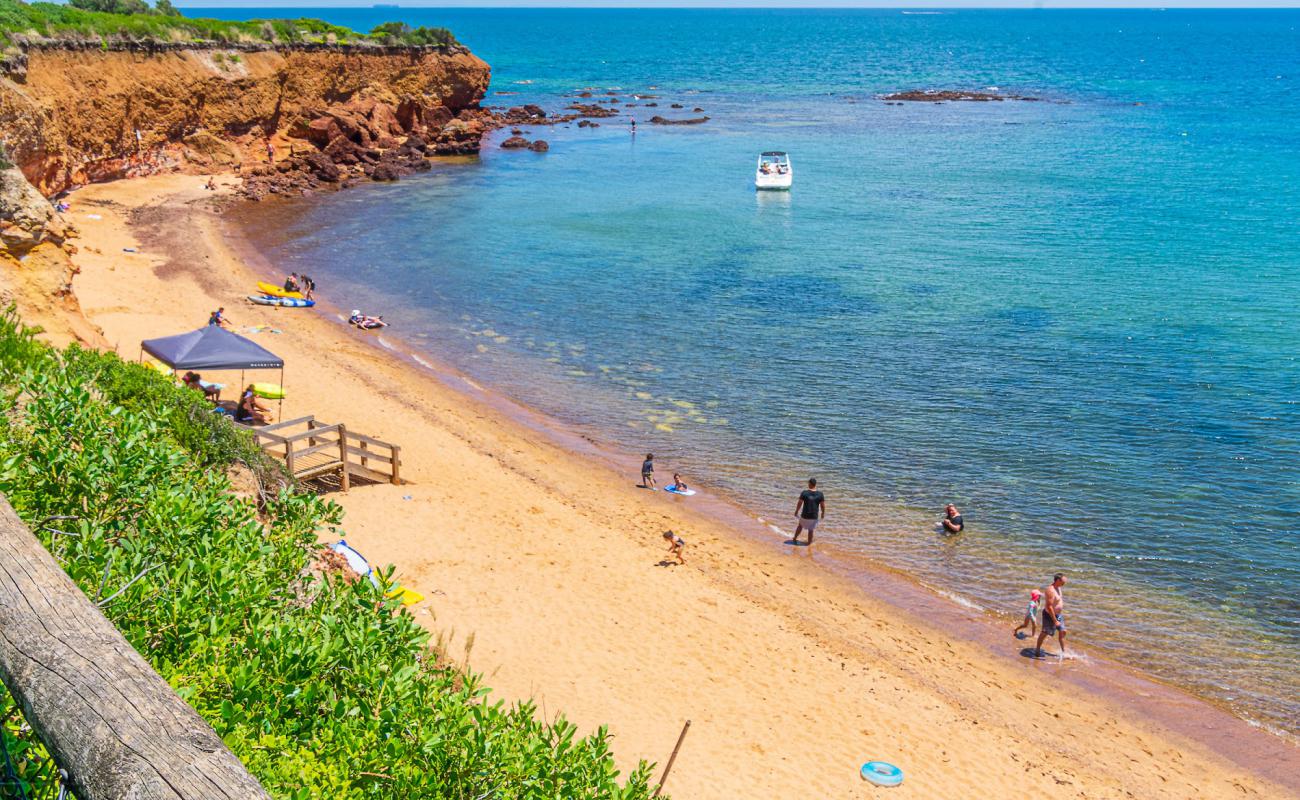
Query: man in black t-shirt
x,y
810,508
952,521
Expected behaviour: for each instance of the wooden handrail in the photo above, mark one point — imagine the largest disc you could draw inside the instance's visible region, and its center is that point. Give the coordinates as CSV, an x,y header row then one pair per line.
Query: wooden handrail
x,y
109,720
368,455
286,423
331,444
368,439
313,433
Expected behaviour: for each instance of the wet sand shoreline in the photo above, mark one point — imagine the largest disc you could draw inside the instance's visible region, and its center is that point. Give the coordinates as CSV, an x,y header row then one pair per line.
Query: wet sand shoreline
x,y
804,599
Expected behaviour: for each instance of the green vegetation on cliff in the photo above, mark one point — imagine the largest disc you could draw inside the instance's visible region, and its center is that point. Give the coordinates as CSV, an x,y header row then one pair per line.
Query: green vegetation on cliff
x,y
319,684
134,20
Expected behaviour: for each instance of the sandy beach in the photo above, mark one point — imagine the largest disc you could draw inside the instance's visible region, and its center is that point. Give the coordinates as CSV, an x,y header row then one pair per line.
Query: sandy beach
x,y
540,567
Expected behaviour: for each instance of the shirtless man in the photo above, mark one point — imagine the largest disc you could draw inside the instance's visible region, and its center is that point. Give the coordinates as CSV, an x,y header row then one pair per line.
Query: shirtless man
x,y
1053,614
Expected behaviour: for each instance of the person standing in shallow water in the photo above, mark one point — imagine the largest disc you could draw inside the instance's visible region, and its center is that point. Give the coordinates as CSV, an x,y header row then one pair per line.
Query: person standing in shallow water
x,y
648,471
1053,614
809,510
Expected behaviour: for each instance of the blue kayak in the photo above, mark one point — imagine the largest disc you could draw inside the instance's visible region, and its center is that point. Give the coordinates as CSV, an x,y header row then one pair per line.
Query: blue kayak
x,y
283,302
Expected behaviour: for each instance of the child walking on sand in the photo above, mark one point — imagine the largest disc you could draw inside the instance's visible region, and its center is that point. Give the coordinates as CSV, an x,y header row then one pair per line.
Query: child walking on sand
x,y
648,471
676,545
1031,615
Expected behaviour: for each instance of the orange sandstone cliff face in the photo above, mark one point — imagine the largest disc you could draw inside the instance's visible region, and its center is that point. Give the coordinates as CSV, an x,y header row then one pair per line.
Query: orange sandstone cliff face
x,y
72,114
75,116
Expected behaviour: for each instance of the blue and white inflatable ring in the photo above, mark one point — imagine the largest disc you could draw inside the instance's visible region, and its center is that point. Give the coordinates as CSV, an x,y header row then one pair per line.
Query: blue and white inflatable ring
x,y
882,774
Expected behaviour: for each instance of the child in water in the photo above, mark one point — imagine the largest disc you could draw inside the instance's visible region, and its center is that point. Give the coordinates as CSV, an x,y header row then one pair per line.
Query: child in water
x,y
1031,616
675,545
679,485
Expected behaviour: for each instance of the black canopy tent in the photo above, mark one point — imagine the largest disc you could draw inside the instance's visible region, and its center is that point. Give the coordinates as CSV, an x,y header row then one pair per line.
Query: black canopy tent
x,y
213,348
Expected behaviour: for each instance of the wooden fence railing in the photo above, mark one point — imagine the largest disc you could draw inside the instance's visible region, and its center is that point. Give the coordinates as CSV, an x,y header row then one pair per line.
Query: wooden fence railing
x,y
111,723
310,449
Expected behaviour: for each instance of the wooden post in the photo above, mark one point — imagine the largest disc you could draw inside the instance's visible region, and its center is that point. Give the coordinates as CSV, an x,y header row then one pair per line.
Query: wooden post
x,y
288,457
672,758
111,722
363,446
397,465
344,479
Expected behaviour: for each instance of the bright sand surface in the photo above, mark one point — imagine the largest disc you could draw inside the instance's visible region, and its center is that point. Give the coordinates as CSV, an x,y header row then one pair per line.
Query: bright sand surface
x,y
541,562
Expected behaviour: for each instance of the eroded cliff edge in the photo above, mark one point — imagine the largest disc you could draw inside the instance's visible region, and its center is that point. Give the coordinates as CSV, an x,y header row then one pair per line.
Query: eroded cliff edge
x,y
287,117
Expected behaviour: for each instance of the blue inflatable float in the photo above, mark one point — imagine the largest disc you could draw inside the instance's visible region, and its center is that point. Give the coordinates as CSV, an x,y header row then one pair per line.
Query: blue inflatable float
x,y
882,774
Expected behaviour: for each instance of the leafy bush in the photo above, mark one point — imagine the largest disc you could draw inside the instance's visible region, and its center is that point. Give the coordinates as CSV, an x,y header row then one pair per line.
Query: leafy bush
x,y
401,33
112,6
322,686
133,19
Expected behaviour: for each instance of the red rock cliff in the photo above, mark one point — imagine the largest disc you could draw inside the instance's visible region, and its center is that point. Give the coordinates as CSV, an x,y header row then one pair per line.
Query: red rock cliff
x,y
72,115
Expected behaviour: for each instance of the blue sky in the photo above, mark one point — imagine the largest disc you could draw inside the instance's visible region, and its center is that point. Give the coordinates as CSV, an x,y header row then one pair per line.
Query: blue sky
x,y
756,3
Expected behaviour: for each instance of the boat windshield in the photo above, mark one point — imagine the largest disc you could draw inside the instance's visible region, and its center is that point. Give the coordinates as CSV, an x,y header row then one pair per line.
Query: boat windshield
x,y
773,163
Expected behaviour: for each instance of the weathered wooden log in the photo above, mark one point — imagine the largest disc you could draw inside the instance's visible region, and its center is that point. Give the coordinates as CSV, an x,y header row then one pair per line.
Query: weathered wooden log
x,y
108,719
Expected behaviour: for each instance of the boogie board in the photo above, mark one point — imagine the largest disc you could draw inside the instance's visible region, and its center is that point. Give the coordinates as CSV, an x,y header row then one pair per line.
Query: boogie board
x,y
360,566
683,492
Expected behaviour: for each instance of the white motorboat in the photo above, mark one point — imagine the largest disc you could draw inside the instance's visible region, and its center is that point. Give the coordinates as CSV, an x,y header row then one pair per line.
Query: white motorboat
x,y
774,171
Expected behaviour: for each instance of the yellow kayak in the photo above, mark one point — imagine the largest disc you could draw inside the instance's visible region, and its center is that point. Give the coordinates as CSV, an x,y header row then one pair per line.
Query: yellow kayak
x,y
276,291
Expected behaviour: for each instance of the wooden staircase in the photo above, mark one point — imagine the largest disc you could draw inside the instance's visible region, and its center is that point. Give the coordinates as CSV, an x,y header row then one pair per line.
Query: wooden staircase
x,y
312,450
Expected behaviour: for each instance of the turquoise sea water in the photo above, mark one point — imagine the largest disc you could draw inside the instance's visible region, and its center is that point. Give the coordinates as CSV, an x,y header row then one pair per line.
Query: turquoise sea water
x,y
1075,318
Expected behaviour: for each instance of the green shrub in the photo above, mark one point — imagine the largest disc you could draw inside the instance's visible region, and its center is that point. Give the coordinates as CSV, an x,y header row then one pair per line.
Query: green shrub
x,y
322,686
134,19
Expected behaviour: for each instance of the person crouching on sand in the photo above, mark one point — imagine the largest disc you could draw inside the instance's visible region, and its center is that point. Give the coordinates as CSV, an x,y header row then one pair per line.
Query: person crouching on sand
x,y
1031,616
810,509
676,545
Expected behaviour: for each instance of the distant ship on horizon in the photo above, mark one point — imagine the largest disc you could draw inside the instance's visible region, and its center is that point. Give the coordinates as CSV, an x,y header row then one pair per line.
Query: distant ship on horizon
x,y
385,5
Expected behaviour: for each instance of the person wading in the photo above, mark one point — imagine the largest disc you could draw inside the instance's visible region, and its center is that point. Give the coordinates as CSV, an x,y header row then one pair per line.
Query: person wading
x,y
1053,614
810,508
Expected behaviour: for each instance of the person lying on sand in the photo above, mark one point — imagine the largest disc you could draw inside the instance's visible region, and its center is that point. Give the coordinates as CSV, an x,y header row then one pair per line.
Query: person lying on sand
x,y
366,322
952,522
676,545
1053,614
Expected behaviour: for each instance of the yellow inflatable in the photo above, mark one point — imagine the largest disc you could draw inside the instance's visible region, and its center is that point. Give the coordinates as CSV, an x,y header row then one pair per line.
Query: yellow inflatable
x,y
409,597
276,291
270,391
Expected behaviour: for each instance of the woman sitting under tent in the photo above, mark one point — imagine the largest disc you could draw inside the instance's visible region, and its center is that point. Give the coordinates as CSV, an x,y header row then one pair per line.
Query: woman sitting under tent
x,y
249,410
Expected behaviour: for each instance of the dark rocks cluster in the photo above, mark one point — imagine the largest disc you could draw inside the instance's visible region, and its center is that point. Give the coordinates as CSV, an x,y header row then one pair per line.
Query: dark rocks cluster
x,y
951,96
366,139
